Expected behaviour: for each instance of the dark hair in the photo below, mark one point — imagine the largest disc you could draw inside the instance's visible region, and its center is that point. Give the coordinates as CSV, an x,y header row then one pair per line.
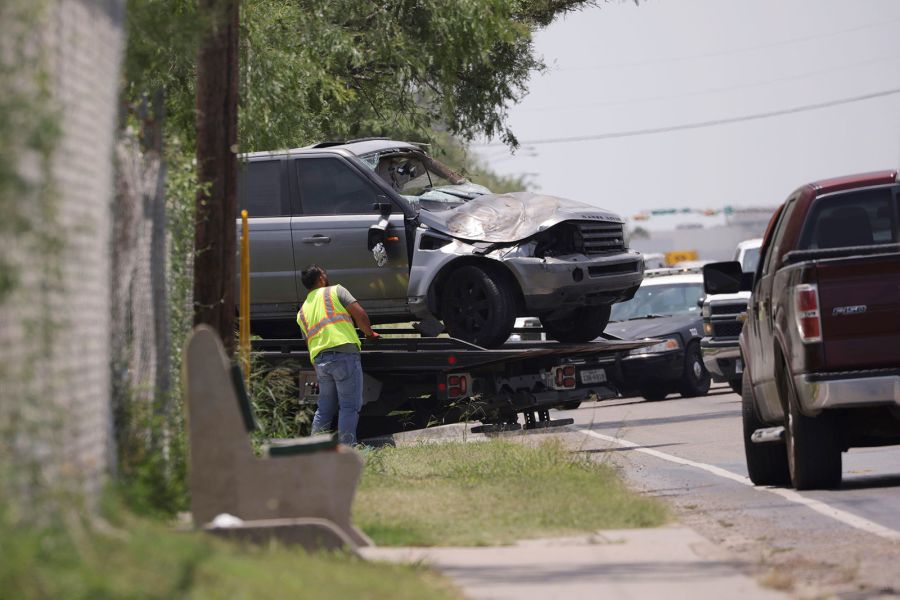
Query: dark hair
x,y
310,276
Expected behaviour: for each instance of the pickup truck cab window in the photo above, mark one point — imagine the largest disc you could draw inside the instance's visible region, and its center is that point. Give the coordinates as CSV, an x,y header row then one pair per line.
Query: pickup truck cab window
x,y
330,187
773,250
860,218
260,189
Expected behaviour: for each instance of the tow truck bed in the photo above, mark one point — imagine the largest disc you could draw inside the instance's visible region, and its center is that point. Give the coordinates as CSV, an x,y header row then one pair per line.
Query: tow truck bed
x,y
414,382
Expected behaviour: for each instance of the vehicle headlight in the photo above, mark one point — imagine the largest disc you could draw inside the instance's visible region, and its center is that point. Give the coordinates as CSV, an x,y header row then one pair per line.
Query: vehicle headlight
x,y
666,345
707,328
706,312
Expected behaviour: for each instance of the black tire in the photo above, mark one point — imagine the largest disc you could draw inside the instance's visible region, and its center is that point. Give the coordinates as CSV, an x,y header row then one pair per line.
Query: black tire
x,y
767,464
583,324
813,447
478,307
655,393
695,380
736,385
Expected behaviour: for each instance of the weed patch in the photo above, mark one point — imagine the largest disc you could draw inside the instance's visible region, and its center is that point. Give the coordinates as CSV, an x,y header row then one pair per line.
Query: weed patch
x,y
491,493
132,557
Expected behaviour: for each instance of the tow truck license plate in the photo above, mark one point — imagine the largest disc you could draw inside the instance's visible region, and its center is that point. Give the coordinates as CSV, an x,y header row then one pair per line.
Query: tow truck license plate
x,y
593,376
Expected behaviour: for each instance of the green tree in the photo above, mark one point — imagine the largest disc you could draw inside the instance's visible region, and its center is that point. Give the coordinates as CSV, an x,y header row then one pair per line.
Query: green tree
x,y
435,71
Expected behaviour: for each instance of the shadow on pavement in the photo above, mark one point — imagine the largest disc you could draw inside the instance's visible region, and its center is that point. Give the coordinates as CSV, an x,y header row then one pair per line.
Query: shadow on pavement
x,y
623,449
862,482
622,571
618,424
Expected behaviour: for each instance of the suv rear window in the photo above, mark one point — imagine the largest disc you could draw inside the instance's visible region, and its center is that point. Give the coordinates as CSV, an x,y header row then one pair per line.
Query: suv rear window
x,y
259,189
863,218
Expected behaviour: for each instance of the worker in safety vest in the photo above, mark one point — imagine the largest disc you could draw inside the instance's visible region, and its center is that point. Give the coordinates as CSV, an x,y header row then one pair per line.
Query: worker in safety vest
x,y
326,318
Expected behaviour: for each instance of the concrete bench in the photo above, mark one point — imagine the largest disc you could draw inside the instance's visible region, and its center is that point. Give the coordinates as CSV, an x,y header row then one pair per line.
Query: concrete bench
x,y
307,484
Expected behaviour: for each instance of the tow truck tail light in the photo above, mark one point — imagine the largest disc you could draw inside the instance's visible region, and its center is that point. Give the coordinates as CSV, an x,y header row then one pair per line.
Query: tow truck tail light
x,y
806,312
458,385
564,377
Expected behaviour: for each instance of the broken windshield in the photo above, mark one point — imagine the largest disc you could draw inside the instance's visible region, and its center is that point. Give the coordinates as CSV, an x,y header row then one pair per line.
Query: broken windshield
x,y
423,181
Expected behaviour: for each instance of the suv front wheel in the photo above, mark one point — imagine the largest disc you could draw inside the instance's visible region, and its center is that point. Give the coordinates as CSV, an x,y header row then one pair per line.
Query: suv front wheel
x,y
477,307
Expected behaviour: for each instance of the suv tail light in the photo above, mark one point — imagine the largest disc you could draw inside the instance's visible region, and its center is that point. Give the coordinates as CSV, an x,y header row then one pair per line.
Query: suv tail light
x,y
563,377
807,314
459,385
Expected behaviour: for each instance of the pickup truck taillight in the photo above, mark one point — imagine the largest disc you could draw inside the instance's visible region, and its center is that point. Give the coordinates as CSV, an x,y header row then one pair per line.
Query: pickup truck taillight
x,y
806,311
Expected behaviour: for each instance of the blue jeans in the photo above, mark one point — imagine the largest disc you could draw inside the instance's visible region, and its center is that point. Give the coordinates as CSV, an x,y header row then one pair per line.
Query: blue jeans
x,y
340,392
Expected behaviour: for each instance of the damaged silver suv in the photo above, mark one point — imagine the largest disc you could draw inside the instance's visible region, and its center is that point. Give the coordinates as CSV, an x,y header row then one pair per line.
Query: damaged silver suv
x,y
412,240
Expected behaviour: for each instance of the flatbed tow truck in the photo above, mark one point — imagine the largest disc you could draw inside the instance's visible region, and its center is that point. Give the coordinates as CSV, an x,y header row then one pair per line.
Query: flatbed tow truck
x,y
416,382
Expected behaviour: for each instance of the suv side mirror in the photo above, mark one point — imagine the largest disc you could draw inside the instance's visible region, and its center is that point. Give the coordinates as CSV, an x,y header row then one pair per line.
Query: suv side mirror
x,y
725,278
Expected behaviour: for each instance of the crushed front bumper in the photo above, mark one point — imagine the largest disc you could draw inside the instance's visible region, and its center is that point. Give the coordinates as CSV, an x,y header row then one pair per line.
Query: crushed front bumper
x,y
577,280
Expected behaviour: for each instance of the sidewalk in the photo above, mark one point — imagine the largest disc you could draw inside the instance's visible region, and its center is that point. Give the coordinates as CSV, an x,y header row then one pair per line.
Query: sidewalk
x,y
669,562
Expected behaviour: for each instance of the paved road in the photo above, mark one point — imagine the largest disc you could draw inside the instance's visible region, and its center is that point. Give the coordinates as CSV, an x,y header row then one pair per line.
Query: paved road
x,y
844,542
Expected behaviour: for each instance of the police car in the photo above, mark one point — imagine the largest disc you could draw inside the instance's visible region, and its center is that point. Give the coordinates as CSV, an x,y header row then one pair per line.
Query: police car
x,y
666,307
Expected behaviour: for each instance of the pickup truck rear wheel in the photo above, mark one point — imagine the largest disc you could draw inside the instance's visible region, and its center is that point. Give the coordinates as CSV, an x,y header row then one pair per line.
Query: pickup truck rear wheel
x,y
813,447
583,324
767,464
735,385
478,307
695,380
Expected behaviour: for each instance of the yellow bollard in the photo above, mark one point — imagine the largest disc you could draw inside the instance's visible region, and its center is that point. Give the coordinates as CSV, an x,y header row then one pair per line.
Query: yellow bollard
x,y
244,341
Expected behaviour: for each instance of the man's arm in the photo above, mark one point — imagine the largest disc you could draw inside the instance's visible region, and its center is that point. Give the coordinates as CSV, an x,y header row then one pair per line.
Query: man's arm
x,y
362,319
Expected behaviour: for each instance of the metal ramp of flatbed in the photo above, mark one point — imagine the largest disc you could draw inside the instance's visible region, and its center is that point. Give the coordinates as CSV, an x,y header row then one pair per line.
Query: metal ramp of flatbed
x,y
411,354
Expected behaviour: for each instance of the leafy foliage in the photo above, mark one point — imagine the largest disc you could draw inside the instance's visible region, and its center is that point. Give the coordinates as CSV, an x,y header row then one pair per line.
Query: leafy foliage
x,y
437,71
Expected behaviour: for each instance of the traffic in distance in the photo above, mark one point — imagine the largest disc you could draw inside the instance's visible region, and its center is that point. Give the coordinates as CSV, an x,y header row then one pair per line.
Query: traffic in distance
x,y
549,305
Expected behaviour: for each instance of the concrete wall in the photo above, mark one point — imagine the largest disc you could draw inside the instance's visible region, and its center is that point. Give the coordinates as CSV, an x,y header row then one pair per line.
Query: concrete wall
x,y
56,391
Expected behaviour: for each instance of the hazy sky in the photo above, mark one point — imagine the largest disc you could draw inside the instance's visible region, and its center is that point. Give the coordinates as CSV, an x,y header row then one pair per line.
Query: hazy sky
x,y
621,68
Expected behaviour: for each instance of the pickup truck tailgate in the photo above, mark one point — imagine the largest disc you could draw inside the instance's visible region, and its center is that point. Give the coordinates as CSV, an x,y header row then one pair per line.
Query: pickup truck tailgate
x,y
859,299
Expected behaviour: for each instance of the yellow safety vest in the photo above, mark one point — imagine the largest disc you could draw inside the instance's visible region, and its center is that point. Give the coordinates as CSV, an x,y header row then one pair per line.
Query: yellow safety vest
x,y
325,322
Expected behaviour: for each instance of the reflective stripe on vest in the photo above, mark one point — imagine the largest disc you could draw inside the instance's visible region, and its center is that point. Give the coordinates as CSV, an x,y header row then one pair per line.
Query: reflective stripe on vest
x,y
334,328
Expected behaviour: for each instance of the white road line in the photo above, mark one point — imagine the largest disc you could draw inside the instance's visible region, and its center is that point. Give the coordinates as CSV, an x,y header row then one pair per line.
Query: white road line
x,y
822,508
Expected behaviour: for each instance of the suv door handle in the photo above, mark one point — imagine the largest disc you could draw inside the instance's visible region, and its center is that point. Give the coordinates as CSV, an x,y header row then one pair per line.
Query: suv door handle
x,y
317,239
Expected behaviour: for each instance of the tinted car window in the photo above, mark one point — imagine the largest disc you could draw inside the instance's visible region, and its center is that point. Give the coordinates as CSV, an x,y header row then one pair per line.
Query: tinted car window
x,y
854,219
259,189
330,187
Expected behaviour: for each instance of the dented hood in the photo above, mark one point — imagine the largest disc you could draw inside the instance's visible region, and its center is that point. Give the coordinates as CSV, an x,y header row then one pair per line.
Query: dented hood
x,y
508,218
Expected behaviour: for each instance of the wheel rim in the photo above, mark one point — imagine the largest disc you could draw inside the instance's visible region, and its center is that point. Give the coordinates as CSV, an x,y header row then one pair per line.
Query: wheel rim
x,y
698,370
469,305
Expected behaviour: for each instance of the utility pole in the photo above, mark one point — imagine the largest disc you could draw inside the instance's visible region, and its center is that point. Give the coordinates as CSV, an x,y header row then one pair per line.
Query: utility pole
x,y
215,242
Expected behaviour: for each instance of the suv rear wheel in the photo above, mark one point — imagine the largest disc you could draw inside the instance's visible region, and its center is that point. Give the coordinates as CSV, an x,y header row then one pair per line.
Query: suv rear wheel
x,y
583,324
767,464
477,307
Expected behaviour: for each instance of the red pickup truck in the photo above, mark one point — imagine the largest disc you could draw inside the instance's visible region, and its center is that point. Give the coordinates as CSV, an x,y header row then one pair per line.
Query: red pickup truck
x,y
821,341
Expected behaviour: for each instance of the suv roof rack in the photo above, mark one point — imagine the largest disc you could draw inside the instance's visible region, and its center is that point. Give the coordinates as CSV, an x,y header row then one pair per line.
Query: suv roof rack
x,y
366,139
328,144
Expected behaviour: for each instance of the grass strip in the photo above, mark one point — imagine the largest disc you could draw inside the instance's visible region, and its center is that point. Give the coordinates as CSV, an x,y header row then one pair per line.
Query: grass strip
x,y
495,492
140,558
